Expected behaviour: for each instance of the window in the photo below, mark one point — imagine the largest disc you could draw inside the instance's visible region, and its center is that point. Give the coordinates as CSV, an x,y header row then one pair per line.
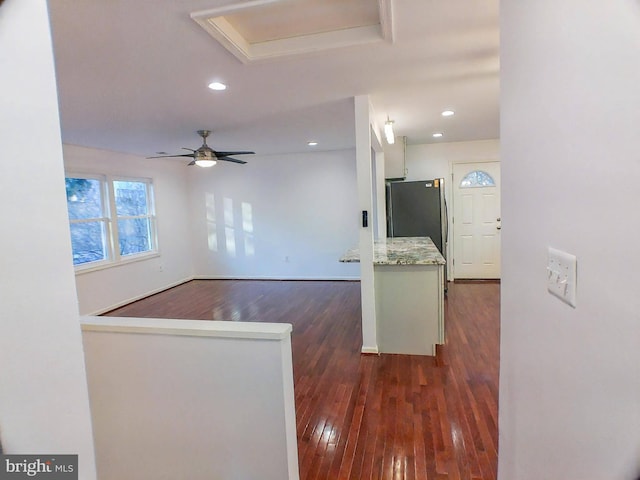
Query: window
x,y
105,213
88,219
476,179
134,216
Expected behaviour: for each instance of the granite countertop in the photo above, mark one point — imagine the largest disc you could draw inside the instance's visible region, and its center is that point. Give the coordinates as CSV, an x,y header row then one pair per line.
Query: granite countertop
x,y
400,251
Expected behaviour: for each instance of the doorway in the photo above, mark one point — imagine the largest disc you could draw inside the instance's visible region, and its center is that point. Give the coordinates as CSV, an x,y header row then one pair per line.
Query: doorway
x,y
476,220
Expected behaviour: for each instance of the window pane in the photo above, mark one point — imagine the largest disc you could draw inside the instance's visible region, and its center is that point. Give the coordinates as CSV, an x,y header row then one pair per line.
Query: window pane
x,y
84,199
131,198
135,235
477,178
87,242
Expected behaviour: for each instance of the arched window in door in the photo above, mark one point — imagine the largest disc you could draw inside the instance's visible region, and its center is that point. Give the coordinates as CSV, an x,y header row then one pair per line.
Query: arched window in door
x,y
477,178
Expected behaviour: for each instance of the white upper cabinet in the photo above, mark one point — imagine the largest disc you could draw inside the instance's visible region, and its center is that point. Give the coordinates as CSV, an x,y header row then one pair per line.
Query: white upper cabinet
x,y
394,164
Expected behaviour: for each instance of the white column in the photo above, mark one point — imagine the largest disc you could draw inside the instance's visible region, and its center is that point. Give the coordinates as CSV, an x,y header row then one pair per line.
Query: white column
x,y
365,202
44,405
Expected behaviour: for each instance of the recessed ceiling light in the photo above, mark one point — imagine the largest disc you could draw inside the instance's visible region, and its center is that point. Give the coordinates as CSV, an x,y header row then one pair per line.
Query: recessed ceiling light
x,y
438,135
312,143
448,113
217,86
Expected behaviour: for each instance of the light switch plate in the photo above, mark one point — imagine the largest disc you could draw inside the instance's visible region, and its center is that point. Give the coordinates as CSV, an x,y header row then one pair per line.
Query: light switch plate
x,y
562,275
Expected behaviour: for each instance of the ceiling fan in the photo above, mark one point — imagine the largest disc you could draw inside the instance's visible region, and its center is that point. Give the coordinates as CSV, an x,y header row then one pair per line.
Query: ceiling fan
x,y
205,156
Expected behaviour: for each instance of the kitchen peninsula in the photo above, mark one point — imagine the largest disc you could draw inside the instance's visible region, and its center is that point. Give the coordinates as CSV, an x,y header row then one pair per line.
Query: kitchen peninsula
x,y
409,291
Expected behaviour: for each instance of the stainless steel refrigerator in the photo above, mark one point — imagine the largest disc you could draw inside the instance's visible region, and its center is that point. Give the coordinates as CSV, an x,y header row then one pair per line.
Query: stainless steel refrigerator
x,y
418,209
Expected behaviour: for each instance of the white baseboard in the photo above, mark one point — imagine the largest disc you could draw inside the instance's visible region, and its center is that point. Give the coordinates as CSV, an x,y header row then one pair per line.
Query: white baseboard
x,y
137,297
253,277
373,350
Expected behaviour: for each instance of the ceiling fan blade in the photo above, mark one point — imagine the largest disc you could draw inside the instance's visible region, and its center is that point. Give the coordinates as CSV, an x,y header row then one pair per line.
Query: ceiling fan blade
x,y
191,163
224,154
229,159
168,156
187,148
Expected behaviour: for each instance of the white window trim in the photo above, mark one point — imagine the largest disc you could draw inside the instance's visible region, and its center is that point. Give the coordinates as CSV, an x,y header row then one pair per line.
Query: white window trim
x,y
95,266
114,258
118,258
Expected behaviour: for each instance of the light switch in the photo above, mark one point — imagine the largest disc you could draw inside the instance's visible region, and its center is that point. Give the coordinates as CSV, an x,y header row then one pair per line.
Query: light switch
x,y
562,275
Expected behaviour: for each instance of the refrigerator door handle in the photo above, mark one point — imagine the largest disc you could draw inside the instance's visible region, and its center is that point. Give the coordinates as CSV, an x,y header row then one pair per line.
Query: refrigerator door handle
x,y
389,205
445,219
446,222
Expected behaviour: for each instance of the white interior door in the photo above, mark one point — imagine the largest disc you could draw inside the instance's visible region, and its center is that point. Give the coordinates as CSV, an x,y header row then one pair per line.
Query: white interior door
x,y
476,220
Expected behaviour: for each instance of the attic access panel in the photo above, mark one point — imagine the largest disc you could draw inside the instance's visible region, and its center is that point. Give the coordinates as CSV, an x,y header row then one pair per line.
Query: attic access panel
x,y
260,30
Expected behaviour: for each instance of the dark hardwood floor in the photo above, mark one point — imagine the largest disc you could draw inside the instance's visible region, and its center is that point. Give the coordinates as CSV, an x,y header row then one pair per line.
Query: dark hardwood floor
x,y
369,416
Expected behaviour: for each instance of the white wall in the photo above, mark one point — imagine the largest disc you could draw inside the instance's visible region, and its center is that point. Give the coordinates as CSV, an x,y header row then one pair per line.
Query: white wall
x,y
191,399
107,288
44,406
281,216
433,160
570,110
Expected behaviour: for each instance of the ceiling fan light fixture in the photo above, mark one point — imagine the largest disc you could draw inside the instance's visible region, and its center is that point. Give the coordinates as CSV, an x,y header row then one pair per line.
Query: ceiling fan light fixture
x,y
388,132
204,157
204,163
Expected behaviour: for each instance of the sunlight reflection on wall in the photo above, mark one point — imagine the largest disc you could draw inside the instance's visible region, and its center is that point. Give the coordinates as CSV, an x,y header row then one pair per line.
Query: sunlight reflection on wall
x,y
229,232
212,232
247,229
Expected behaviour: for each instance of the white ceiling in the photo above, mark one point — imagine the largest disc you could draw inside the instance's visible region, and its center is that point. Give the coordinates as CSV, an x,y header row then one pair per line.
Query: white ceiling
x,y
133,76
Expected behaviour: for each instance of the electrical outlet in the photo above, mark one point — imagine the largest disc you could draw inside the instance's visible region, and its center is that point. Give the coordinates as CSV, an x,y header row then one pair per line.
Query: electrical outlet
x,y
562,275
